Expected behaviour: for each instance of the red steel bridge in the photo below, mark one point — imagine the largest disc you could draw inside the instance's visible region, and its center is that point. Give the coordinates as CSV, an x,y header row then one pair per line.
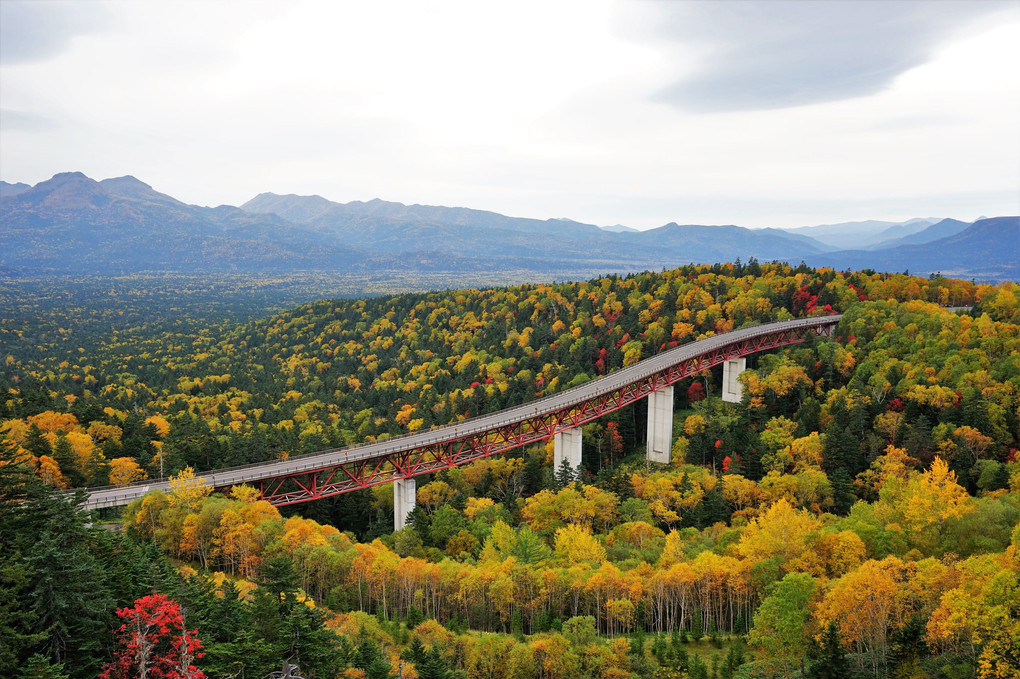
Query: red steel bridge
x,y
331,472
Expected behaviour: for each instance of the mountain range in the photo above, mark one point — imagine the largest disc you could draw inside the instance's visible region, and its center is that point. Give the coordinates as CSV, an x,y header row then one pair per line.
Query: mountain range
x,y
72,224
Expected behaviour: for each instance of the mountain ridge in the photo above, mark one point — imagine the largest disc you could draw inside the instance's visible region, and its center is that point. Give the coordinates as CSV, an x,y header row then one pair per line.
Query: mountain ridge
x,y
942,229
988,249
74,224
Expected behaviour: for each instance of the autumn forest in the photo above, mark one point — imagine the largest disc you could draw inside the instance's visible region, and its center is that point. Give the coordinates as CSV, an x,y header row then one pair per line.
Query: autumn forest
x,y
856,515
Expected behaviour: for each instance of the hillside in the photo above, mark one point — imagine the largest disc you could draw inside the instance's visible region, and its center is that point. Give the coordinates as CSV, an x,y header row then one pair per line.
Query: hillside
x,y
866,482
366,368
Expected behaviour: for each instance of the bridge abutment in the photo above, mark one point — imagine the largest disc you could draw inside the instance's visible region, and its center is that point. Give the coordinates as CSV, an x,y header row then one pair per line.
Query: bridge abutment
x,y
732,390
404,500
660,425
567,446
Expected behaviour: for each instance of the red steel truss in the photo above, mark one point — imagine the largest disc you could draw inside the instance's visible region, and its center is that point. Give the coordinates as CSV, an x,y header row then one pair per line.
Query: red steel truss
x,y
344,477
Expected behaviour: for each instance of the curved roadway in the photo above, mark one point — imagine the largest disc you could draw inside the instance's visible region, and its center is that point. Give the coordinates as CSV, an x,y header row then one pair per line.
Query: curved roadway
x,y
110,496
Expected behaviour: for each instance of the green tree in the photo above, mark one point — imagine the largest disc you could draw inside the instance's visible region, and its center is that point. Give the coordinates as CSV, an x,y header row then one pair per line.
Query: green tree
x,y
830,661
565,474
64,455
781,622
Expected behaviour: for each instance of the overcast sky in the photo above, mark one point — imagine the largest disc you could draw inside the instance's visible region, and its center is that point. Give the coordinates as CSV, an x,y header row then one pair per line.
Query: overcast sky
x,y
767,113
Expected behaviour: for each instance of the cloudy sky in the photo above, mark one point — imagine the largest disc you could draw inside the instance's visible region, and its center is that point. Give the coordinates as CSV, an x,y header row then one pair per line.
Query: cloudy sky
x,y
766,113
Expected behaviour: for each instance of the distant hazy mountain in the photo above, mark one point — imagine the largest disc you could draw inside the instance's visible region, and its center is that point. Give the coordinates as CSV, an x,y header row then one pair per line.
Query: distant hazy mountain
x,y
297,209
943,229
130,188
618,228
73,224
727,243
319,212
988,249
808,241
849,235
392,228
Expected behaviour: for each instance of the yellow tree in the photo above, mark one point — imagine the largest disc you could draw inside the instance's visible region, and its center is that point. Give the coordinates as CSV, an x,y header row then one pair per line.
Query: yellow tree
x,y
998,631
143,515
895,465
49,471
867,605
781,531
187,490
490,657
620,615
234,542
546,511
434,495
742,494
575,544
930,499
669,495
83,446
808,487
831,554
973,441
777,437
125,470
53,422
554,658
196,538
977,617
478,505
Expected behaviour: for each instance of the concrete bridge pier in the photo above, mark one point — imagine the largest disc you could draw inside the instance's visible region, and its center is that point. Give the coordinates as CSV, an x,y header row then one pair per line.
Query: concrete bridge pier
x,y
660,425
404,501
567,446
732,390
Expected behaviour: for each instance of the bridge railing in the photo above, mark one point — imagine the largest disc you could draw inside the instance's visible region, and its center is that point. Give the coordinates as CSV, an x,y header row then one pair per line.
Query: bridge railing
x,y
521,413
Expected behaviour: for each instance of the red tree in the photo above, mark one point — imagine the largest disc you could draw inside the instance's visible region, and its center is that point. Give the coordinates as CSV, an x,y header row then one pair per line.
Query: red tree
x,y
155,643
615,439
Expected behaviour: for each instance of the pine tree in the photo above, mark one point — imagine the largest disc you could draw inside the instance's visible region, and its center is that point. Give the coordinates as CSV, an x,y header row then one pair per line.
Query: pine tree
x,y
97,469
433,666
517,624
415,652
414,617
36,443
565,474
830,658
40,667
64,455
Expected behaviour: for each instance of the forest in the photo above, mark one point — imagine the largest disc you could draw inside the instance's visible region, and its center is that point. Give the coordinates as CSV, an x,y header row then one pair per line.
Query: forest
x,y
857,515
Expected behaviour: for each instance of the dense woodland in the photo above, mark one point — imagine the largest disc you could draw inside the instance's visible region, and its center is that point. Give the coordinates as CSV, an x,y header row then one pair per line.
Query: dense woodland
x,y
857,514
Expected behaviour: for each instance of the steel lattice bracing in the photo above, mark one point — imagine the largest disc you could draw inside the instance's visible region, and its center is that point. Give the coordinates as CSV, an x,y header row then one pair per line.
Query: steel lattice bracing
x,y
331,472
